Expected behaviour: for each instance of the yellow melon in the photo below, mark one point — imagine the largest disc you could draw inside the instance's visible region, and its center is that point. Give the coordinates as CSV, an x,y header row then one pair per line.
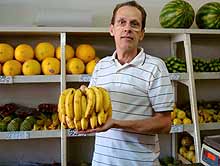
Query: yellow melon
x,y
24,52
50,66
6,52
44,50
69,52
90,66
75,66
85,52
11,68
31,67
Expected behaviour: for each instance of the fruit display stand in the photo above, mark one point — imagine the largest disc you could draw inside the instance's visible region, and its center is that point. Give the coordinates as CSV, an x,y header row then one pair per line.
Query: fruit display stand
x,y
32,90
202,44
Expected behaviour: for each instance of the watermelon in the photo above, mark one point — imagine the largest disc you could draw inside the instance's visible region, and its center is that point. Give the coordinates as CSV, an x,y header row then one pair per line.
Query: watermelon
x,y
208,16
177,14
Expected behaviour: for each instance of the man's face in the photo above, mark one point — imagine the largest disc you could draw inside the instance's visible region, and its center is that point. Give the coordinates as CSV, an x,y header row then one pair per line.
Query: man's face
x,y
127,28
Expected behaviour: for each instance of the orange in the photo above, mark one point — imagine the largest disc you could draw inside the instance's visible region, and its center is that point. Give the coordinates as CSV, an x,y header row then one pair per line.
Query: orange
x,y
11,68
85,52
91,65
6,52
44,50
75,66
69,52
50,66
31,67
24,52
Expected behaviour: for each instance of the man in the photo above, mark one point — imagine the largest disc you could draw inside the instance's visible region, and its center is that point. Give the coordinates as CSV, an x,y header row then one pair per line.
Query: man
x,y
141,94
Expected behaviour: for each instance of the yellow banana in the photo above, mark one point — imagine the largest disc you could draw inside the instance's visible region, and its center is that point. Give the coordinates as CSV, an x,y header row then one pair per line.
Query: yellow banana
x,y
55,119
69,104
84,124
109,112
40,122
70,123
77,105
36,127
61,102
77,124
106,99
83,105
93,121
61,106
90,95
84,121
98,99
101,117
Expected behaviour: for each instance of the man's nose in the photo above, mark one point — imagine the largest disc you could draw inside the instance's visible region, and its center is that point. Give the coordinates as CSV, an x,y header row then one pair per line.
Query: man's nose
x,y
128,27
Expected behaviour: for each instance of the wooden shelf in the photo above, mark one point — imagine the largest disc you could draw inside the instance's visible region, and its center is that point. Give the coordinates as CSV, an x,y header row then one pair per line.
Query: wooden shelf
x,y
190,128
40,134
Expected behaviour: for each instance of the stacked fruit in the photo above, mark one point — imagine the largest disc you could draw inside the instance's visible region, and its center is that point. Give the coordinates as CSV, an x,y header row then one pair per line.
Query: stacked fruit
x,y
175,65
187,149
84,108
209,112
200,65
84,62
179,116
180,14
45,59
214,65
21,118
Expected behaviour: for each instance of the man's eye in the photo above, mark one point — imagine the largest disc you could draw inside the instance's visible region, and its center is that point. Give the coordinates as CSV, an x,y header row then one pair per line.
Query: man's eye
x,y
121,22
134,24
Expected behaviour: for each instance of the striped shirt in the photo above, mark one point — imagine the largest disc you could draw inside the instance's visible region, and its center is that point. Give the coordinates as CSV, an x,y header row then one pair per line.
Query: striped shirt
x,y
137,89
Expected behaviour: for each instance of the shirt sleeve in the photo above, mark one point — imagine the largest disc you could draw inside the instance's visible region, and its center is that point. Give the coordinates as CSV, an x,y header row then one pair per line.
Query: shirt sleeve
x,y
160,89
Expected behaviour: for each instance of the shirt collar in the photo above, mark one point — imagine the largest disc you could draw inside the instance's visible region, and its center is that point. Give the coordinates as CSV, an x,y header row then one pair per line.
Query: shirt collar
x,y
139,59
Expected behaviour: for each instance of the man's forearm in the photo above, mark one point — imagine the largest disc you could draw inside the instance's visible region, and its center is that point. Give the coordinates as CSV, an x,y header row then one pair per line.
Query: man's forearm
x,y
155,125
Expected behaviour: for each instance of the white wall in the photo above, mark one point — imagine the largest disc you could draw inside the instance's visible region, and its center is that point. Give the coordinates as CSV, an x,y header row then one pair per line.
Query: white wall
x,y
27,12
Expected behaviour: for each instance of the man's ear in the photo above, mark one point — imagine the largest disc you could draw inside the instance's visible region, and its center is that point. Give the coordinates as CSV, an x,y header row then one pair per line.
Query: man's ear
x,y
142,35
111,30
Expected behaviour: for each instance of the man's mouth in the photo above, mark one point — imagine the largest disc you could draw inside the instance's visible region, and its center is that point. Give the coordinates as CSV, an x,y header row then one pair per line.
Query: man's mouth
x,y
127,37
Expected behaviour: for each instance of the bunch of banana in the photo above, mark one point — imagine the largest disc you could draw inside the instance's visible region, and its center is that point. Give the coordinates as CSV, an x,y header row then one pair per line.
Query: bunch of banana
x,y
84,108
47,122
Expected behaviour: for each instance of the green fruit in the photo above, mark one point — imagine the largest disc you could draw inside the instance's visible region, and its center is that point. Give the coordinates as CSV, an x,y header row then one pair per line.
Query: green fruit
x,y
14,125
31,119
3,126
26,125
177,14
208,16
7,119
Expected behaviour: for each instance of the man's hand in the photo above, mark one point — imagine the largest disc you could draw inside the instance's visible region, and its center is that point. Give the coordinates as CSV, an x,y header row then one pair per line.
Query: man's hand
x,y
108,124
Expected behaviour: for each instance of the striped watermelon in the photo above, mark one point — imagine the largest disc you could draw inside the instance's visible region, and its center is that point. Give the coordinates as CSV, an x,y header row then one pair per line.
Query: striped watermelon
x,y
208,16
177,14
